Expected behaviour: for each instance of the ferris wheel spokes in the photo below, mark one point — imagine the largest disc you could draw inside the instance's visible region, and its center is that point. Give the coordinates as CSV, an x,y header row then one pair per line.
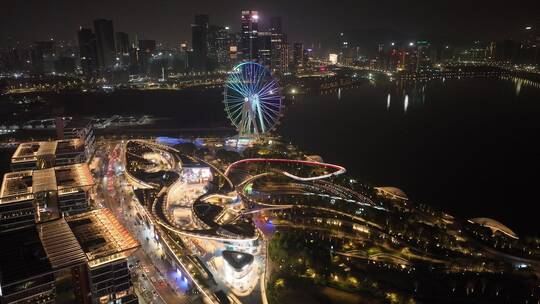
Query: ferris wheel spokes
x,y
252,99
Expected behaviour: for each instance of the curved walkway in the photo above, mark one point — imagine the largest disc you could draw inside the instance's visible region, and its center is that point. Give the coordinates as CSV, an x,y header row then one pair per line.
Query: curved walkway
x,y
338,169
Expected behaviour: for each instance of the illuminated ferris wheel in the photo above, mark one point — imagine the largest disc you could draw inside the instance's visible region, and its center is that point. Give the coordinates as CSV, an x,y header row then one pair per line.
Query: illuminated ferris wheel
x,y
252,98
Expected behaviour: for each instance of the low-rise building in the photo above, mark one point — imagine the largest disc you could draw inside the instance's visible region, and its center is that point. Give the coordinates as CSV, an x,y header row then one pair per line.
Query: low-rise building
x,y
81,129
87,252
107,245
32,196
47,154
26,275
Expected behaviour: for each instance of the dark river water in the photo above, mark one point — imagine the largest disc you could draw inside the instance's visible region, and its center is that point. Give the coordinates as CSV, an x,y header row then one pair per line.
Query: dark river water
x,y
469,147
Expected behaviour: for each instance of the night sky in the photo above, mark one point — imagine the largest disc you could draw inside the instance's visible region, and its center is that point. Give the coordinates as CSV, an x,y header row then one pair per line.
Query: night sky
x,y
304,20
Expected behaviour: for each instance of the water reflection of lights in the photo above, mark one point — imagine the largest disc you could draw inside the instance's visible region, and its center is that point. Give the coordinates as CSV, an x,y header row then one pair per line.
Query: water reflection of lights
x,y
388,101
406,103
520,83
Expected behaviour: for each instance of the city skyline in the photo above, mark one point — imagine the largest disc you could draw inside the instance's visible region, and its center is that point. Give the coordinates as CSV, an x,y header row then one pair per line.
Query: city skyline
x,y
453,21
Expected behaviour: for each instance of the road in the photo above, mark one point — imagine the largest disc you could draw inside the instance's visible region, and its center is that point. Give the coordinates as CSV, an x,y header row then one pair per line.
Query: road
x,y
114,196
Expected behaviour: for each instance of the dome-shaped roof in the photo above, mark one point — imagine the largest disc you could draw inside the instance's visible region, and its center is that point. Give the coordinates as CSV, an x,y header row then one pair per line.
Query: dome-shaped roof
x,y
494,226
393,191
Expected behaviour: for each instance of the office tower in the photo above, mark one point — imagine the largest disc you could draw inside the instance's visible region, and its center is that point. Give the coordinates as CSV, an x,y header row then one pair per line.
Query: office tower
x,y
279,48
418,59
122,48
234,48
264,48
64,65
506,51
219,42
87,51
146,49
106,52
43,56
308,53
14,60
249,32
298,55
199,40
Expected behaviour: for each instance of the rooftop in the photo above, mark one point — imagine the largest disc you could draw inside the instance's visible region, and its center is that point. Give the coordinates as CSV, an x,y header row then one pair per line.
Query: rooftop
x,y
30,151
23,185
494,226
60,244
102,238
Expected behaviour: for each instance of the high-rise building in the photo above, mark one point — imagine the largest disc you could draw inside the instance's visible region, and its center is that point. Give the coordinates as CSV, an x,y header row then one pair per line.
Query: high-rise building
x,y
43,56
506,51
199,40
106,52
249,32
64,65
88,51
234,48
298,55
219,42
308,53
15,60
122,48
146,49
264,48
420,59
279,48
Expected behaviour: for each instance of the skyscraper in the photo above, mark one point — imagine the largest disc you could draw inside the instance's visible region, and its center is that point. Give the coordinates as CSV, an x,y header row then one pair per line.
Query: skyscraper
x,y
279,47
298,55
88,51
122,48
199,40
264,47
43,56
250,32
219,42
106,52
146,49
